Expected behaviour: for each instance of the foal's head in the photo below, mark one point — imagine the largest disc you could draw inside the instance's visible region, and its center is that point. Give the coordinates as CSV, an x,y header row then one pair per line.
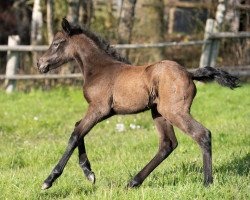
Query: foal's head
x,y
63,47
60,50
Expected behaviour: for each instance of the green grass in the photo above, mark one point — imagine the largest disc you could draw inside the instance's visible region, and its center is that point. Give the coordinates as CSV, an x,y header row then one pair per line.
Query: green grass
x,y
35,127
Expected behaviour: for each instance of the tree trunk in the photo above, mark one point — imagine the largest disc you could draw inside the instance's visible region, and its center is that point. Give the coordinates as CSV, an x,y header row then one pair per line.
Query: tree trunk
x,y
50,5
149,28
171,20
36,27
86,12
23,18
232,16
36,24
110,18
238,20
73,11
126,22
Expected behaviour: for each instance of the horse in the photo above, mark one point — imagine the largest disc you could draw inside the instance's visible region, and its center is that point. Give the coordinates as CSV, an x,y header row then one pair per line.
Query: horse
x,y
113,86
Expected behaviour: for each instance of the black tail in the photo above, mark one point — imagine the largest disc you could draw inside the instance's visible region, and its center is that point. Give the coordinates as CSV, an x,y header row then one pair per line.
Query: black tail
x,y
208,74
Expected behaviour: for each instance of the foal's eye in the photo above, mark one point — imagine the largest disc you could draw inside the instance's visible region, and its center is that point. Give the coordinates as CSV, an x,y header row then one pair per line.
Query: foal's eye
x,y
56,44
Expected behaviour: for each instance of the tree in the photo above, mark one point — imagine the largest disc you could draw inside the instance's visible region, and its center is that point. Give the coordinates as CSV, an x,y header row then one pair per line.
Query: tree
x,y
126,22
86,12
238,20
36,23
50,5
149,28
23,18
36,27
73,11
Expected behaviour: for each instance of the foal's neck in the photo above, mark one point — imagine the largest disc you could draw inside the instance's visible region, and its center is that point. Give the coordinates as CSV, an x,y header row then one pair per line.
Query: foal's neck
x,y
91,59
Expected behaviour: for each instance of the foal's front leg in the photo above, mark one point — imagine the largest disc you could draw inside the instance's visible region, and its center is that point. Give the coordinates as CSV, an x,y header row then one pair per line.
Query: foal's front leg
x,y
93,116
83,159
84,162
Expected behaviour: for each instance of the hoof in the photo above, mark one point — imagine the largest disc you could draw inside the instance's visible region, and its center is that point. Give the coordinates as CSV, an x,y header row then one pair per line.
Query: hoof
x,y
91,177
208,183
46,186
133,184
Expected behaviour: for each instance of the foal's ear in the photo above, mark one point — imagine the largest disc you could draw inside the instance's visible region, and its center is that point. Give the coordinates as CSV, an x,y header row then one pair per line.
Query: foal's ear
x,y
66,26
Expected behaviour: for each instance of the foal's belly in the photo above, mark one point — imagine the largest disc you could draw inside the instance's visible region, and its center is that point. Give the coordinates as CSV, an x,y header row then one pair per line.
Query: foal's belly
x,y
130,94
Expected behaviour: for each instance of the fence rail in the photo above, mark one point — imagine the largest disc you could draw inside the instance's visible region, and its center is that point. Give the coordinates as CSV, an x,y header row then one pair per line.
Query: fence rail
x,y
229,35
23,48
211,36
244,71
208,57
159,45
30,48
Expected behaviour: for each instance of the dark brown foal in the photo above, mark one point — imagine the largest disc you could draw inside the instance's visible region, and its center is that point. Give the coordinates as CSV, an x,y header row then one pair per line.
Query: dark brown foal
x,y
112,86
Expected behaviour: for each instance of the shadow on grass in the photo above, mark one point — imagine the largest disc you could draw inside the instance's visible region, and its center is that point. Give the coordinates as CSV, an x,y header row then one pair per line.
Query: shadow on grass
x,y
66,192
192,172
239,166
183,173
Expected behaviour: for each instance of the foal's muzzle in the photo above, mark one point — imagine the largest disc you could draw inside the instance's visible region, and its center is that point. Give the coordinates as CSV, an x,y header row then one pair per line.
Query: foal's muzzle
x,y
42,66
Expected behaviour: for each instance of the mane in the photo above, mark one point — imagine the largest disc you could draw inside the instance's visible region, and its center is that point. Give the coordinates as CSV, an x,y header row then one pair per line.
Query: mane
x,y
100,42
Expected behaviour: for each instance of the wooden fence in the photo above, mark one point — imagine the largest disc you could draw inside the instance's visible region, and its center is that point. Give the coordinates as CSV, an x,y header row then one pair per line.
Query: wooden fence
x,y
208,57
210,48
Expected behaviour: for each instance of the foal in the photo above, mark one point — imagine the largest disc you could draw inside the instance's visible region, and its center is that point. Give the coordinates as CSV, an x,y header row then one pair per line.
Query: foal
x,y
113,86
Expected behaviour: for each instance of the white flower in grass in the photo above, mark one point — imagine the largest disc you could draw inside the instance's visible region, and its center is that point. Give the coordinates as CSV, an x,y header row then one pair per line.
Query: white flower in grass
x,y
132,126
36,118
120,127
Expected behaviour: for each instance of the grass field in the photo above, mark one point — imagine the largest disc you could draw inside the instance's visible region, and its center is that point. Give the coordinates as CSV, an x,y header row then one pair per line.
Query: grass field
x,y
35,127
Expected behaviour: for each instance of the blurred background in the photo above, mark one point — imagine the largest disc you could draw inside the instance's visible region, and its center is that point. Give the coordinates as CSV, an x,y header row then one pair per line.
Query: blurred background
x,y
126,22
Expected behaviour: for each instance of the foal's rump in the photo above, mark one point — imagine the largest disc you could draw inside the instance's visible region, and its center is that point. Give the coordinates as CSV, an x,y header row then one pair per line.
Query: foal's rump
x,y
176,88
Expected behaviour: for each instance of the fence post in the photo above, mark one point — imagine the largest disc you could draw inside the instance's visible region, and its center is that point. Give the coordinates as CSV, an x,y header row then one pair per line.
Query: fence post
x,y
221,9
171,20
206,48
12,63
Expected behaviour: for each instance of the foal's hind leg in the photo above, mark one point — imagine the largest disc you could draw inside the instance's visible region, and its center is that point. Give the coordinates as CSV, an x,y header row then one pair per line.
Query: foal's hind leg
x,y
174,104
184,121
167,144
